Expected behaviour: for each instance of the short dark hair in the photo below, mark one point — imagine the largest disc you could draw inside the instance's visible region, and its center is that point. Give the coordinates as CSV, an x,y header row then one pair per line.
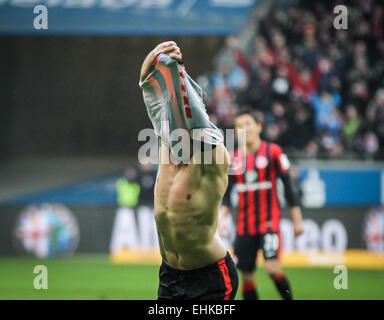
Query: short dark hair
x,y
249,111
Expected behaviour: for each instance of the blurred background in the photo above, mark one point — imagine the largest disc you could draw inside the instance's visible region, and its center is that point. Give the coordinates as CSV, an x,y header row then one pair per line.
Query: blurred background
x,y
73,196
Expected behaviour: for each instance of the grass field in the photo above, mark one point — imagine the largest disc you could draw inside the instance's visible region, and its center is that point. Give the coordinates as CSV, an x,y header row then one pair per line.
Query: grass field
x,y
94,277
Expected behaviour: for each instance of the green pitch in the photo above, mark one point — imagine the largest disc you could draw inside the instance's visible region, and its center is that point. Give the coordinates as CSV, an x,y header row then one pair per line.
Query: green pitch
x,y
94,277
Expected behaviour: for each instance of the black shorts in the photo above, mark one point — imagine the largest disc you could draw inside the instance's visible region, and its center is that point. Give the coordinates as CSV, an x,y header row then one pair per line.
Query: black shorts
x,y
217,281
246,248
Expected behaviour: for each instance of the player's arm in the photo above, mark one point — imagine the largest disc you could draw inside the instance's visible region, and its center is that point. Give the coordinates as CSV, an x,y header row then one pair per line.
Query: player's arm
x,y
180,100
290,191
293,200
168,47
297,219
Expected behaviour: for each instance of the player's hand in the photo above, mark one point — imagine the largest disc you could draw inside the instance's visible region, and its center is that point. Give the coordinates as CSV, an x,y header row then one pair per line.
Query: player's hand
x,y
223,227
298,227
170,48
297,219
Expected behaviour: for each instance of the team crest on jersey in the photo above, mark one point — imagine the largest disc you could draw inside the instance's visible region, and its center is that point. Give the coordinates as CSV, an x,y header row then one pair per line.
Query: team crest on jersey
x,y
261,162
251,176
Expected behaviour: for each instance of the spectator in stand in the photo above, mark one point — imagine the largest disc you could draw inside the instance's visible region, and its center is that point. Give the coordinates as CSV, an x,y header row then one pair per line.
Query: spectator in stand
x,y
324,104
351,126
318,88
378,120
302,123
358,96
304,82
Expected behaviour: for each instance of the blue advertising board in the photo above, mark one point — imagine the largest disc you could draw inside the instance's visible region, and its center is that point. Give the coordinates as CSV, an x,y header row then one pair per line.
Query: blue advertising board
x,y
124,17
342,187
321,187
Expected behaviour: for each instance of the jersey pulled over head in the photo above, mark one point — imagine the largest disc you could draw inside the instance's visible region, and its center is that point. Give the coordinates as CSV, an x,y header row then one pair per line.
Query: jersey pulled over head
x,y
174,101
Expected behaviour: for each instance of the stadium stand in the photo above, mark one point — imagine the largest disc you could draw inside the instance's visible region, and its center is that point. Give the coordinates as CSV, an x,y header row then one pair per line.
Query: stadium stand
x,y
318,91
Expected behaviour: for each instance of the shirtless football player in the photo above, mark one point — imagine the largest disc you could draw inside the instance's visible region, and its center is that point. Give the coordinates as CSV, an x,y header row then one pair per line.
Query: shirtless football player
x,y
187,196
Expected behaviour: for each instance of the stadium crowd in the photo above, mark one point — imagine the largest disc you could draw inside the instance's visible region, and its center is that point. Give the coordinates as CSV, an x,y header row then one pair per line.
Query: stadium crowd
x,y
318,91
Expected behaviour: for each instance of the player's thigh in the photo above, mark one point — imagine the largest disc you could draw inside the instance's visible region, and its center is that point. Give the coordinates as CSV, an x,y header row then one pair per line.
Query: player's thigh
x,y
271,245
246,248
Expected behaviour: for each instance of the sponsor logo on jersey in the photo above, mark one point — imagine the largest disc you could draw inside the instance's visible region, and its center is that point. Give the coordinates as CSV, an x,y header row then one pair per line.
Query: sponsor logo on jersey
x,y
253,186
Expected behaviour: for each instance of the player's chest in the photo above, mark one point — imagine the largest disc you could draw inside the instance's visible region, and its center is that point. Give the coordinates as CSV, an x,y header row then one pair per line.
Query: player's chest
x,y
254,168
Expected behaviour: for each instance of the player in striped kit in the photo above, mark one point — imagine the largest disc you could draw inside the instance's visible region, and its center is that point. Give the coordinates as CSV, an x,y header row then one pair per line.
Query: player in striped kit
x,y
258,215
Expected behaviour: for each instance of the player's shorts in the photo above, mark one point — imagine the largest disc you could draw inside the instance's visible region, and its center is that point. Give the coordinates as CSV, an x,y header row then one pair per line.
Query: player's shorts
x,y
217,281
246,249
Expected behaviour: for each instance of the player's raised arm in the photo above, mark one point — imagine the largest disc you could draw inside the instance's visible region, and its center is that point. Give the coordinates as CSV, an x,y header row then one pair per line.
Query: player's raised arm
x,y
174,101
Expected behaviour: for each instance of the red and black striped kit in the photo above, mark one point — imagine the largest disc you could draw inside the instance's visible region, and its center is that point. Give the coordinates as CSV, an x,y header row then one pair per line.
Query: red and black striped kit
x,y
258,205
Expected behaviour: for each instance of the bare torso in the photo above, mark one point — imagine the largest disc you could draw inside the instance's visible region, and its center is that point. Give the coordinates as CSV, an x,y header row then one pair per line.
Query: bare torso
x,y
187,199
